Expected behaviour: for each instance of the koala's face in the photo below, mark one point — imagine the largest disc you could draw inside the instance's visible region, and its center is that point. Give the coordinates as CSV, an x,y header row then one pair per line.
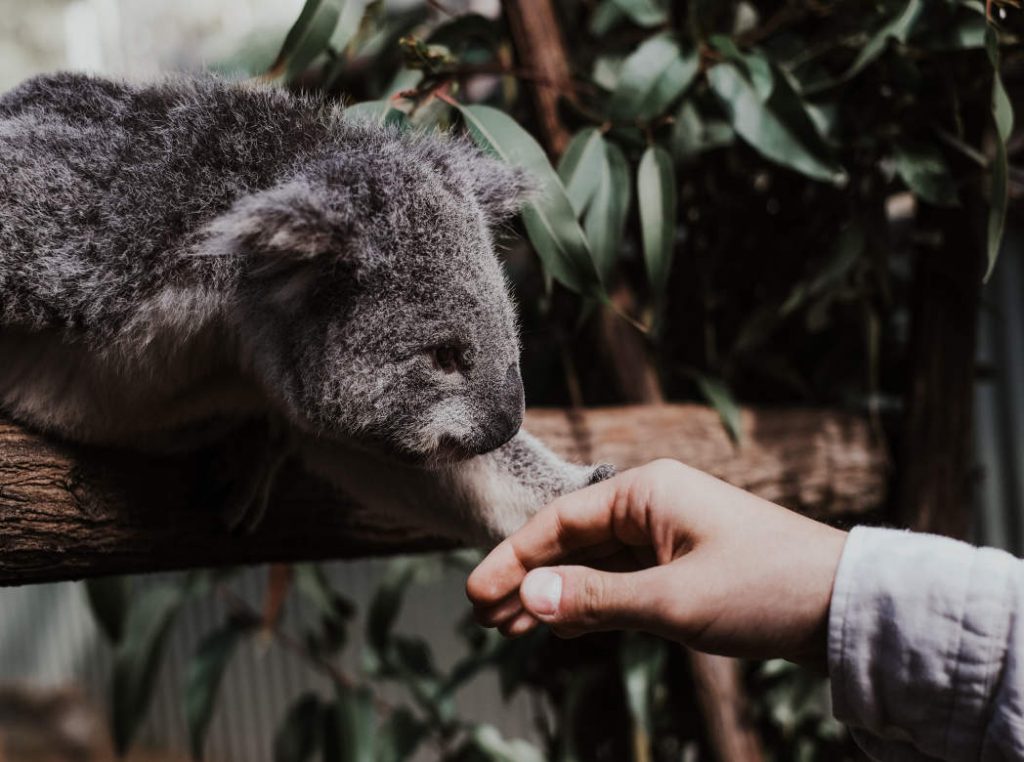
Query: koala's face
x,y
376,308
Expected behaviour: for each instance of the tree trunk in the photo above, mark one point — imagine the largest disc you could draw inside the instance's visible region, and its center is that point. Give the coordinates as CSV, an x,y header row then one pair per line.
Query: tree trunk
x,y
538,39
936,469
70,512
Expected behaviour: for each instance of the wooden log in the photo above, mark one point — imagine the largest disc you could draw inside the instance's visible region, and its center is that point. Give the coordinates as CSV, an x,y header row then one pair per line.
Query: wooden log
x,y
819,462
70,512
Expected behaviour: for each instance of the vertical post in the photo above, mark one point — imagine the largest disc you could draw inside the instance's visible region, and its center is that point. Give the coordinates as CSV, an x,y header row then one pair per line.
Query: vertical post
x,y
936,459
541,46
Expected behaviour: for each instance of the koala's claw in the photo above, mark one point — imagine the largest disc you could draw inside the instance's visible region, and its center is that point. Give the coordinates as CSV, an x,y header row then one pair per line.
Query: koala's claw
x,y
602,472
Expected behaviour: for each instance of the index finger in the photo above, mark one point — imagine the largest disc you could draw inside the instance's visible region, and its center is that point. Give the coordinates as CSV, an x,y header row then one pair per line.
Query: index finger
x,y
572,522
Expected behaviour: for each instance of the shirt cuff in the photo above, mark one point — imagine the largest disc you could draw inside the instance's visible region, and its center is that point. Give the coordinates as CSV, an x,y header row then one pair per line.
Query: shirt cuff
x,y
918,627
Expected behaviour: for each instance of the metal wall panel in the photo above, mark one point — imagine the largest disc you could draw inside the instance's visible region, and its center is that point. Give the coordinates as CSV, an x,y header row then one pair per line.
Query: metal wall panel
x,y
48,637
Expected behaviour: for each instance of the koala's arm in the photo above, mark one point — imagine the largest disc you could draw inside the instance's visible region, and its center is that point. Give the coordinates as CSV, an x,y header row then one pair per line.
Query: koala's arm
x,y
480,501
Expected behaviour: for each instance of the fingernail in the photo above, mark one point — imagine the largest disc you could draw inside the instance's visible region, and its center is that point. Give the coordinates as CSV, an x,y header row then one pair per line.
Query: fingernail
x,y
541,591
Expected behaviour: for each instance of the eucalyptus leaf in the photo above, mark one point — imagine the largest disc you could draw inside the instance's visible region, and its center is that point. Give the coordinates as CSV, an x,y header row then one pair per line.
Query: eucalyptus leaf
x,y
137,658
349,19
656,194
1002,114
108,599
646,13
693,133
380,112
385,606
312,582
606,71
399,736
606,16
757,68
759,126
720,398
204,676
349,727
299,736
309,36
780,94
808,124
898,29
924,170
486,740
606,215
652,77
550,219
643,659
581,166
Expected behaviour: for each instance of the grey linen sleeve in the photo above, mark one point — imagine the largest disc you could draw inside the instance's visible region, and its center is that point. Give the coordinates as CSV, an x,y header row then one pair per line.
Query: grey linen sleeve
x,y
925,646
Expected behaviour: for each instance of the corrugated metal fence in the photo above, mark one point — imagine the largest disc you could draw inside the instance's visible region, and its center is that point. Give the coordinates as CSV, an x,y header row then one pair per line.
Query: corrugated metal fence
x,y
48,638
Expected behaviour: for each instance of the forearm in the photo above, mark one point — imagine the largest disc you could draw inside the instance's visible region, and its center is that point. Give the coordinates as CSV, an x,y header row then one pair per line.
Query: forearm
x,y
924,643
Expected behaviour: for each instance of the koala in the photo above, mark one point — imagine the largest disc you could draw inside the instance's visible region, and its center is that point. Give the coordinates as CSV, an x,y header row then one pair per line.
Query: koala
x,y
183,260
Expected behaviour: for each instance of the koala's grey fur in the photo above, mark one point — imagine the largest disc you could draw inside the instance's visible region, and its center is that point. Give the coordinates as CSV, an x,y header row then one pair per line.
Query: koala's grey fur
x,y
181,256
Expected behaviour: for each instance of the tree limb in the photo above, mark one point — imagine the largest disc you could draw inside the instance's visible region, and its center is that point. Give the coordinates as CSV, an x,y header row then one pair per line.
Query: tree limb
x,y
70,512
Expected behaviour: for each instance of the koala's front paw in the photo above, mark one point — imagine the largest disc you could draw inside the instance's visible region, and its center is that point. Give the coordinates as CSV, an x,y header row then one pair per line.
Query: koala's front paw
x,y
602,472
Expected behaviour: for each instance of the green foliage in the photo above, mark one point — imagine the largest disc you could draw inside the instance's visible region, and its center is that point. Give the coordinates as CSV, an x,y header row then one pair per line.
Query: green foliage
x,y
652,78
549,219
204,676
763,127
299,736
109,599
656,189
137,658
1002,114
643,660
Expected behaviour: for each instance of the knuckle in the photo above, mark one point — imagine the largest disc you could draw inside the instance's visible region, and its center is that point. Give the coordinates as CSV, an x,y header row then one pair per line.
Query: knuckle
x,y
663,468
590,605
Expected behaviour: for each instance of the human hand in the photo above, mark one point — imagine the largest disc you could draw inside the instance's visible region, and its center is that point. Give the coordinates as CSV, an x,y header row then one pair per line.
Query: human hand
x,y
672,551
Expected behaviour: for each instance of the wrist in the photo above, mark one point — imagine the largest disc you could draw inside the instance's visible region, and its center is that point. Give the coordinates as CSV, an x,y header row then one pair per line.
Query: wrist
x,y
822,564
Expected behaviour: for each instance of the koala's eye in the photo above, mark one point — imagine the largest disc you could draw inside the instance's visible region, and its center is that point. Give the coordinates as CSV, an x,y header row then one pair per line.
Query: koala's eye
x,y
447,358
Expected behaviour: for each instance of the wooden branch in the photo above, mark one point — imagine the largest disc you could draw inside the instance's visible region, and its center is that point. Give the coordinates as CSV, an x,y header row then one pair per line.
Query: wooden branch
x,y
719,689
538,40
819,462
70,512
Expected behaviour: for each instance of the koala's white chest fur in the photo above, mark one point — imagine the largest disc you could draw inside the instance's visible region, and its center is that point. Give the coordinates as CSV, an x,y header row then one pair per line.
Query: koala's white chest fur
x,y
165,397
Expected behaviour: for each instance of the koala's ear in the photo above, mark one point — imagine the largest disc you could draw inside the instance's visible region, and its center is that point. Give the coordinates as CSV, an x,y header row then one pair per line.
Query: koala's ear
x,y
287,223
500,189
281,234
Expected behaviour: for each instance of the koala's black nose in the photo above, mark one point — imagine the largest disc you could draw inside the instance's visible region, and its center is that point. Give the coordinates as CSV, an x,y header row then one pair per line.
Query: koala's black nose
x,y
508,404
515,395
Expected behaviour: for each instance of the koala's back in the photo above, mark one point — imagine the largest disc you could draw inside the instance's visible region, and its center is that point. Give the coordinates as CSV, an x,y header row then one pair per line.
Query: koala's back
x,y
103,184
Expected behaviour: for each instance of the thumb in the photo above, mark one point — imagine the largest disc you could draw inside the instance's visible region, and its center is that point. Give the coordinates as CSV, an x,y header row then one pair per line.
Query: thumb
x,y
577,599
